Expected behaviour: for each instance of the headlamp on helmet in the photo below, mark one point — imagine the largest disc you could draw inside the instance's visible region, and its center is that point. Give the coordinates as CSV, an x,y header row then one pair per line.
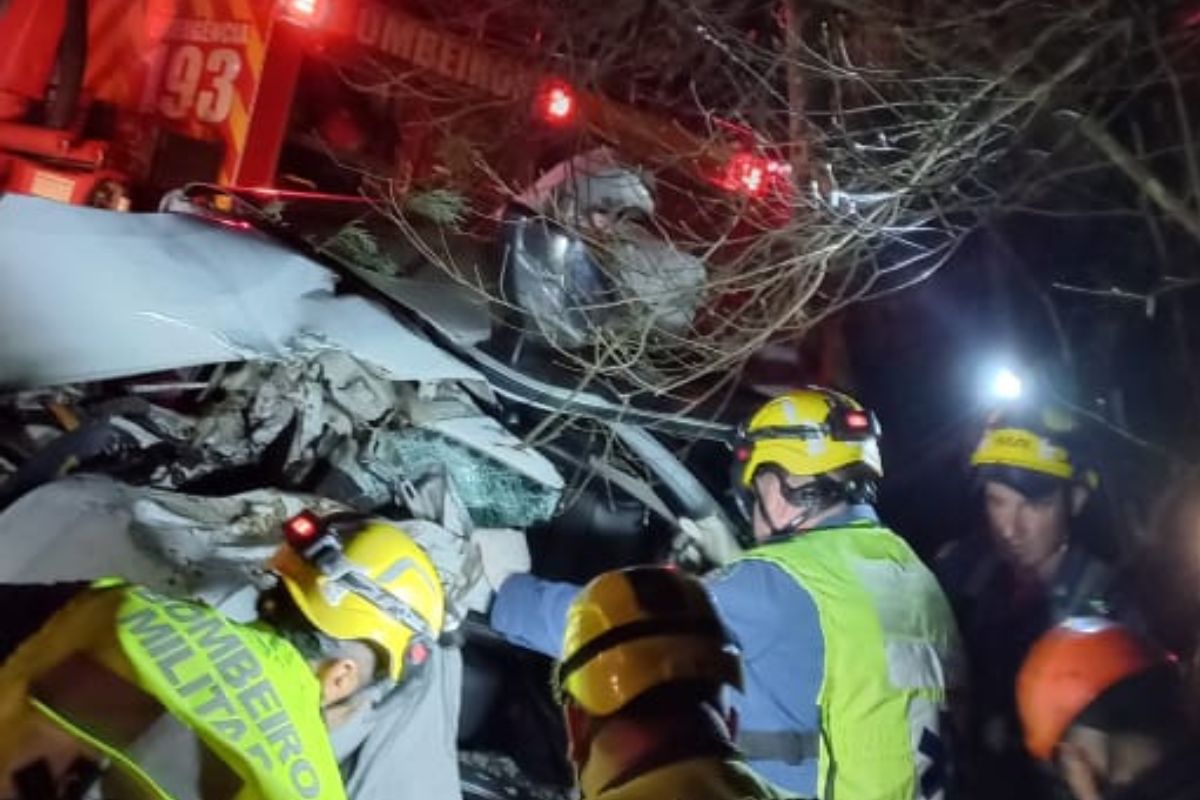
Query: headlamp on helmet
x,y
816,433
809,432
1033,449
361,579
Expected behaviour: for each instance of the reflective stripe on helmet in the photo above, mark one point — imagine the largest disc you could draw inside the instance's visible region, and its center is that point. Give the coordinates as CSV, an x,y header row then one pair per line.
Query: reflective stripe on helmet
x,y
642,629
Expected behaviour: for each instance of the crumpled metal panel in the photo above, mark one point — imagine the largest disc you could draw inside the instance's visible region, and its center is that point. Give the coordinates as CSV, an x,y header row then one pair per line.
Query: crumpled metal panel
x,y
327,398
582,265
207,547
106,295
86,527
460,311
661,284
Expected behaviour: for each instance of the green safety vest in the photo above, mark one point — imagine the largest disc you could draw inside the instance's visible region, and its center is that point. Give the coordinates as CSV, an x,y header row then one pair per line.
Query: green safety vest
x,y
243,692
892,656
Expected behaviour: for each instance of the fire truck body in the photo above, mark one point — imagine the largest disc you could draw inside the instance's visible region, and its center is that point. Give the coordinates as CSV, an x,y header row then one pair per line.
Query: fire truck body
x,y
104,99
171,90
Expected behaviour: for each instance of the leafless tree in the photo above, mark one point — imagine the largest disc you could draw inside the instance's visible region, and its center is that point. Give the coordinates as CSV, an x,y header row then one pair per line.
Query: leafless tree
x,y
903,126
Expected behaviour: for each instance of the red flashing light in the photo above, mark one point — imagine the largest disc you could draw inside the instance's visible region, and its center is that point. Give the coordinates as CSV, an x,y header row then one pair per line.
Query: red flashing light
x,y
306,13
749,174
304,8
752,175
742,454
557,103
302,529
857,420
418,653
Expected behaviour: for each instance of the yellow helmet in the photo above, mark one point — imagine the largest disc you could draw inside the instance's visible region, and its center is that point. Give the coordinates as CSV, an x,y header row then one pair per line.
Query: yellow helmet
x,y
379,586
1034,445
1023,449
812,431
632,630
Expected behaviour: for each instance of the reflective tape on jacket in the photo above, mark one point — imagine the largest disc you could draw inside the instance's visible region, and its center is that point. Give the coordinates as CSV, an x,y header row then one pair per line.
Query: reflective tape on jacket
x,y
180,702
107,713
246,692
892,655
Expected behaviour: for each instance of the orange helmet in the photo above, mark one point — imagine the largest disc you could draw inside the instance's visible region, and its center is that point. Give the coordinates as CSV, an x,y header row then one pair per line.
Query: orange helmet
x,y
1068,668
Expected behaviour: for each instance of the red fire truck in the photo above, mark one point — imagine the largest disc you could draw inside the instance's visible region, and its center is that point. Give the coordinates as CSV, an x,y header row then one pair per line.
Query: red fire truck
x,y
107,101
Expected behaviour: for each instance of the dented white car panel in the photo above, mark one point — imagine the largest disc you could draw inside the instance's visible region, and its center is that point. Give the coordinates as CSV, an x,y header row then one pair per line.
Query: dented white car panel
x,y
107,295
333,392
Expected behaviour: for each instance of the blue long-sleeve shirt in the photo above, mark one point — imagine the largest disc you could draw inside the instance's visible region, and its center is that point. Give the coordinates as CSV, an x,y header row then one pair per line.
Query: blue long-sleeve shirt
x,y
773,619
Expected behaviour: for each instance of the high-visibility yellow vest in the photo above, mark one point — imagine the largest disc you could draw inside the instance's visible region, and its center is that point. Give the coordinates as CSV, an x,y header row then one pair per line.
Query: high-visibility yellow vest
x,y
121,665
892,655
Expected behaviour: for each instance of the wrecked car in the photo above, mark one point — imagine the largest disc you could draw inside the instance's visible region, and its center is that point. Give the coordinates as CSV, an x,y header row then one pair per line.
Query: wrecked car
x,y
174,386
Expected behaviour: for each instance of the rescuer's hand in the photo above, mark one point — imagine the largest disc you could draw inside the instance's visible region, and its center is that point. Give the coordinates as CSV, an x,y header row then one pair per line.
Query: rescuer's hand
x,y
502,552
712,537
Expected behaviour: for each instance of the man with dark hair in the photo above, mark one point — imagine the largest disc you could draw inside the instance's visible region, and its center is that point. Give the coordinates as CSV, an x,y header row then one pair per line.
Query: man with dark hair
x,y
1032,485
1103,706
1027,571
644,662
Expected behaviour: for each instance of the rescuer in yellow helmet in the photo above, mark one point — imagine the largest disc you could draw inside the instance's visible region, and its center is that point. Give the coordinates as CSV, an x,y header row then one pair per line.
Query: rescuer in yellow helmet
x,y
165,698
850,647
377,587
645,659
1032,483
1021,574
805,456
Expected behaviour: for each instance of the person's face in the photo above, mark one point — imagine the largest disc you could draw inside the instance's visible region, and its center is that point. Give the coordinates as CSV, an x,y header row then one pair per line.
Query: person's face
x,y
772,511
1096,766
1029,532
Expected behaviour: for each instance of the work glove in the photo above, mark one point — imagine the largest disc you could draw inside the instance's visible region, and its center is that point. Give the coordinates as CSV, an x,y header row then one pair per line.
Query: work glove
x,y
711,536
503,552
